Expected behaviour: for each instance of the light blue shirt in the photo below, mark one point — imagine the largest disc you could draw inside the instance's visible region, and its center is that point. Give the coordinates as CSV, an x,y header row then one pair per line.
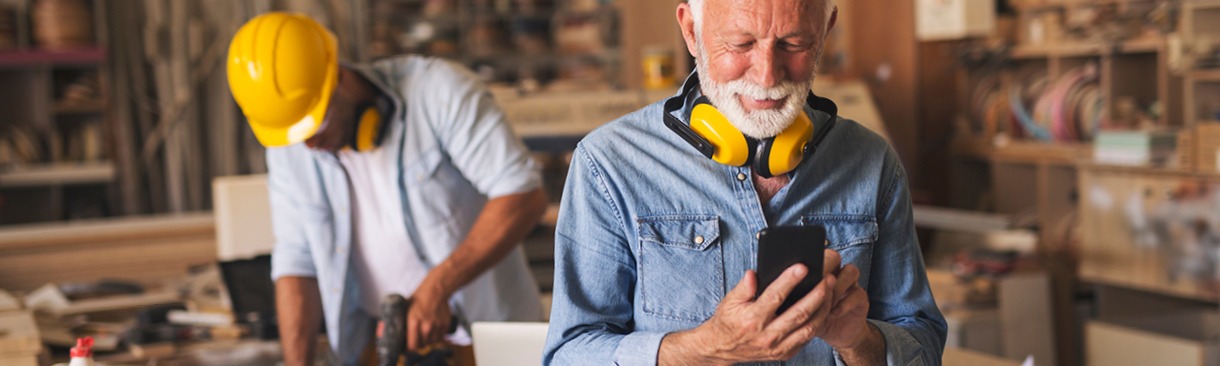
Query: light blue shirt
x,y
652,234
454,153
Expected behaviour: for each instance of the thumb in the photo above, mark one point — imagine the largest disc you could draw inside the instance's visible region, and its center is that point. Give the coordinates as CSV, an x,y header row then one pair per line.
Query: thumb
x,y
745,289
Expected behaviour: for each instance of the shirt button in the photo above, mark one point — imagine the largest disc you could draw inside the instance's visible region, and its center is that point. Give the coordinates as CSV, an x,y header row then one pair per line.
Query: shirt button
x,y
758,235
698,239
826,243
419,177
334,290
741,176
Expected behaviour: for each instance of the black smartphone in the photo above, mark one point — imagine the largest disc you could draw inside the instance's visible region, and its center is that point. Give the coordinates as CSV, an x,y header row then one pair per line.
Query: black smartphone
x,y
781,247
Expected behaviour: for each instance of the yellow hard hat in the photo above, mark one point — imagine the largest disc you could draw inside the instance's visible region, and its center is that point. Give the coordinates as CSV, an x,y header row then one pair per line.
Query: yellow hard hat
x,y
282,70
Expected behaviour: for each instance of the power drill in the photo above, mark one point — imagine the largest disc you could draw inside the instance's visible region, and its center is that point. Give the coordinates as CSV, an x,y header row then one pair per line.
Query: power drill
x,y
392,337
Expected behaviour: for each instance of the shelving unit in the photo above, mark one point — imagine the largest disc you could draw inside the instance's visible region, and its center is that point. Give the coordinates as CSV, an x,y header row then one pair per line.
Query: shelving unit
x,y
503,41
1137,81
520,42
56,105
1156,289
1069,191
1201,23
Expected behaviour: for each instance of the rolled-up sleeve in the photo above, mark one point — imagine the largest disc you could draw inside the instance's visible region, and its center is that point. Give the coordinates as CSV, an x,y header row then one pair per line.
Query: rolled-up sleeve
x,y
900,301
291,255
639,348
474,133
592,318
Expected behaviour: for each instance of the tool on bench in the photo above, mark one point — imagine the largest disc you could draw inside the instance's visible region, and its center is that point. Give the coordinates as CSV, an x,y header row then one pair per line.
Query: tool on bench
x,y
392,337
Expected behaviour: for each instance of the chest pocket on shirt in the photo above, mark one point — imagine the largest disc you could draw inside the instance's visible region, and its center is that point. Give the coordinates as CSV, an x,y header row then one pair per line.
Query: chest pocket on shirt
x,y
852,236
681,266
435,186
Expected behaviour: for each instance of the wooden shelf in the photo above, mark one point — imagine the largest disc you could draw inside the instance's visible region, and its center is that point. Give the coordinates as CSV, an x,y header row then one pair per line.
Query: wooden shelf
x,y
34,58
57,174
1205,5
1044,4
1143,45
1185,288
1067,154
1212,75
89,107
1086,49
1091,165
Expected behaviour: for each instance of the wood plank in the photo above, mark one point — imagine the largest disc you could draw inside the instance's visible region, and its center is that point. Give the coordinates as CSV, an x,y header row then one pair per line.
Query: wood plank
x,y
1113,345
1027,318
19,360
8,302
40,58
113,303
57,174
19,333
137,248
962,357
959,220
117,229
1205,75
1035,152
142,262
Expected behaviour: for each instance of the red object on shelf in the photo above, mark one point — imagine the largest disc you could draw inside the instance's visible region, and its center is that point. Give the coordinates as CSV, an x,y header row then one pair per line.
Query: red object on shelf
x,y
83,349
83,56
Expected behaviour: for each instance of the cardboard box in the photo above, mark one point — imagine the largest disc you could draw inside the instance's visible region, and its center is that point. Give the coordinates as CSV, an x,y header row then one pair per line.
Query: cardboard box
x,y
937,20
974,330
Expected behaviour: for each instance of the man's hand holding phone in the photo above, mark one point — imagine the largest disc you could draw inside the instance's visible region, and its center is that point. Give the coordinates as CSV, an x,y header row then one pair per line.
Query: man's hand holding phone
x,y
746,329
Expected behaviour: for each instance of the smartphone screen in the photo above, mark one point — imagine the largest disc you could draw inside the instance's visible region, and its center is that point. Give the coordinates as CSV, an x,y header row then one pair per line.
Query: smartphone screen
x,y
781,247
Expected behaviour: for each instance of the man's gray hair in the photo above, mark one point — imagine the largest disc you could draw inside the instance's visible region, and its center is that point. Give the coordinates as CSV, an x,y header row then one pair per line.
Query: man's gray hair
x,y
696,10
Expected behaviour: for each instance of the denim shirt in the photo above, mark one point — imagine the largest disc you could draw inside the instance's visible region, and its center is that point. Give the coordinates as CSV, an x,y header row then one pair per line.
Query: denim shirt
x,y
454,153
652,234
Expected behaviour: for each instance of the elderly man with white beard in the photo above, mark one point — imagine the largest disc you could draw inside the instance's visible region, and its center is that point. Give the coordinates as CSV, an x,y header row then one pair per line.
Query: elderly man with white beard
x,y
658,233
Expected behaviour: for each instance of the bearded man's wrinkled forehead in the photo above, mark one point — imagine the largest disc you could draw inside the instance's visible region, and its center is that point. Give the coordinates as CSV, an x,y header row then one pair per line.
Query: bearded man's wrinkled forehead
x,y
754,7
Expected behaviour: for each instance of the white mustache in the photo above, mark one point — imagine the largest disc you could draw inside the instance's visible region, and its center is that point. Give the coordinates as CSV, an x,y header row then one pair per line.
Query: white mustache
x,y
754,91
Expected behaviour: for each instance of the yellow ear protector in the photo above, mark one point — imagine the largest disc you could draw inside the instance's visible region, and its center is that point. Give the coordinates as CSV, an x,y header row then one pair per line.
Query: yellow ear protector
x,y
370,125
712,134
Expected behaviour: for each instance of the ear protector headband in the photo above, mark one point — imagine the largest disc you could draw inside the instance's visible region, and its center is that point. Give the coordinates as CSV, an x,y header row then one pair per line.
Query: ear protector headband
x,y
370,125
712,134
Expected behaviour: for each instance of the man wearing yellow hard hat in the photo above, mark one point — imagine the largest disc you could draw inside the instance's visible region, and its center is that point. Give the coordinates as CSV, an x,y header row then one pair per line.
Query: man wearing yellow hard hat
x,y
398,176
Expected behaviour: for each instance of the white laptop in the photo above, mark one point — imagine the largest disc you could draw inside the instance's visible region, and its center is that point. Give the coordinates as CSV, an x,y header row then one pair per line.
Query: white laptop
x,y
509,344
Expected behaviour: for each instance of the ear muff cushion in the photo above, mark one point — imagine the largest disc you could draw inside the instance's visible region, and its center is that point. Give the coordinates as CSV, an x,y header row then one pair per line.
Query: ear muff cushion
x,y
788,148
367,129
730,144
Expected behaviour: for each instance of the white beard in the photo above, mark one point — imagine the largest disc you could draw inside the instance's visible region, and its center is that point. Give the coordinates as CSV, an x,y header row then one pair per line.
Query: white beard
x,y
758,124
